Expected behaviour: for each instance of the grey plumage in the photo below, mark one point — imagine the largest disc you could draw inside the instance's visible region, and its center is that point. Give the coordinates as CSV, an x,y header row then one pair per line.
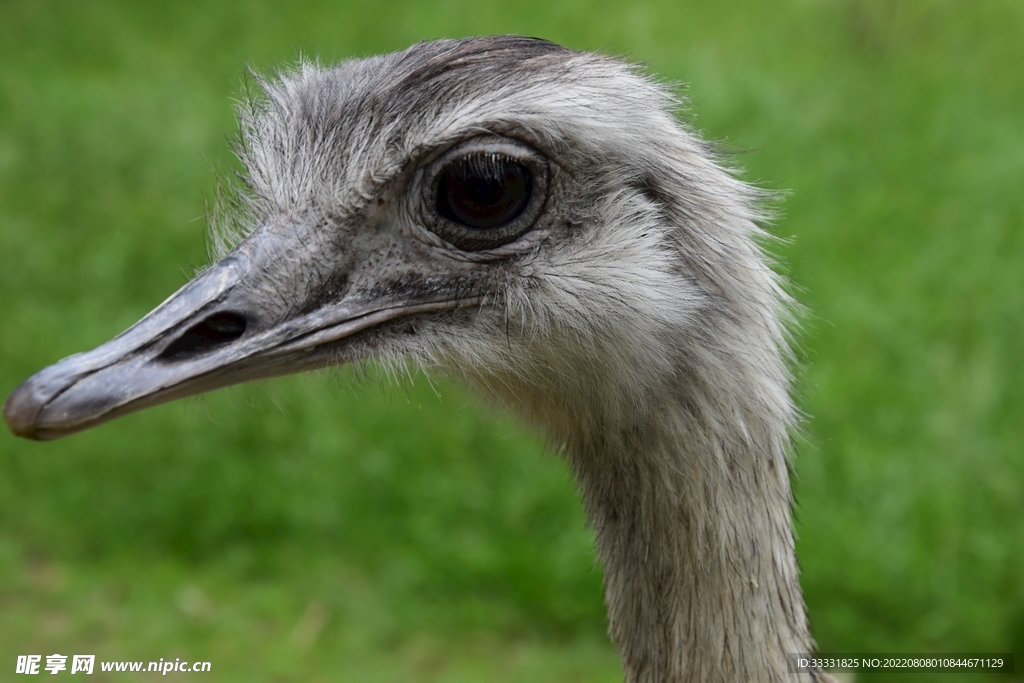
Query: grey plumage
x,y
625,307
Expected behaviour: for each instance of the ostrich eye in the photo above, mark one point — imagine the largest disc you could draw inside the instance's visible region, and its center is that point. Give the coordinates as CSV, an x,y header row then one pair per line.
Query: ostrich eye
x,y
483,190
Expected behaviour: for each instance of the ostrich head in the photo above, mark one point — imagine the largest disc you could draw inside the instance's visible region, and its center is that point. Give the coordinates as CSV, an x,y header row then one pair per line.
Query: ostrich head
x,y
534,221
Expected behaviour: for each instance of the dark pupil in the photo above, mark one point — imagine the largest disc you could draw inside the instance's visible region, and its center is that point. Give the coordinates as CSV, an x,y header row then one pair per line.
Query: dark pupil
x,y
483,190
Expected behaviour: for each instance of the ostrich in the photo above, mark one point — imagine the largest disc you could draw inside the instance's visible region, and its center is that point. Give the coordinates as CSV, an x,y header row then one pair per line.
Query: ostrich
x,y
534,221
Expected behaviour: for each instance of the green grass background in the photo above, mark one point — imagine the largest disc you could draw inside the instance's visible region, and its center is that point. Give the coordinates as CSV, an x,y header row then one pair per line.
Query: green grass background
x,y
337,528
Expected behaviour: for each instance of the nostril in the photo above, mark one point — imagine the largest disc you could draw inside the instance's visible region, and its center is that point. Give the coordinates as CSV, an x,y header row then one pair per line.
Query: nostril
x,y
217,330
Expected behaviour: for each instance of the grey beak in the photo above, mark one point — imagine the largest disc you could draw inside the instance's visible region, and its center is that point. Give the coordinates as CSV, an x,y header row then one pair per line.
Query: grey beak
x,y
217,330
182,347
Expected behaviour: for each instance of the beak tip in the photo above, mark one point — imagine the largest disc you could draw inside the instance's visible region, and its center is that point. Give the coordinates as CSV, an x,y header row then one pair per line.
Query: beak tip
x,y
22,411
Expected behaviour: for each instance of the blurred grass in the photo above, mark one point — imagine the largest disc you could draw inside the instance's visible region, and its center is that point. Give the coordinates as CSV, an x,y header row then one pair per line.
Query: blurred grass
x,y
334,529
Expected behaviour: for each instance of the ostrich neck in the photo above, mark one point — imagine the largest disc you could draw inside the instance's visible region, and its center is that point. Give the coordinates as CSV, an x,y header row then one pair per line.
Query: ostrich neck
x,y
692,518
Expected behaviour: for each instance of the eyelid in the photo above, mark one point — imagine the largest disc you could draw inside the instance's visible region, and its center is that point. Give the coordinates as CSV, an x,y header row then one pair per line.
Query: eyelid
x,y
432,151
